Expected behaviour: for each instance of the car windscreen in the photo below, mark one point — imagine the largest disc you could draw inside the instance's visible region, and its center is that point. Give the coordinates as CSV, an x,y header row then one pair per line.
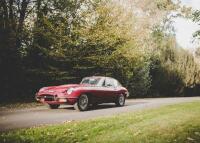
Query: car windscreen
x,y
91,81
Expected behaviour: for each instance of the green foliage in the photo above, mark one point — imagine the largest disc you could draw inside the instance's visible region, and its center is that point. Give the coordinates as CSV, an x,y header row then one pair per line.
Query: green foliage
x,y
196,18
197,53
164,4
131,66
174,69
48,42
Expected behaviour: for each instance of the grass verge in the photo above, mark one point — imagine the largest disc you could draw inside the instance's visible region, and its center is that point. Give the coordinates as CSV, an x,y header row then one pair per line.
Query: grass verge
x,y
19,105
174,123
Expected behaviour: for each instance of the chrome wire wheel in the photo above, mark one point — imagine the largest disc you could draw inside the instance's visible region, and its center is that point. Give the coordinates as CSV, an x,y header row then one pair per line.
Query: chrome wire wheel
x,y
83,102
120,100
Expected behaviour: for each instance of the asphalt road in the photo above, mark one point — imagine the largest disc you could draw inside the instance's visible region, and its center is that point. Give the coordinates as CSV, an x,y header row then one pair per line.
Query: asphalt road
x,y
24,118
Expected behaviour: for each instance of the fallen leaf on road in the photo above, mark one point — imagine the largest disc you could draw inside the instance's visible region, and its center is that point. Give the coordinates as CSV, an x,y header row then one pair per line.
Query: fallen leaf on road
x,y
68,121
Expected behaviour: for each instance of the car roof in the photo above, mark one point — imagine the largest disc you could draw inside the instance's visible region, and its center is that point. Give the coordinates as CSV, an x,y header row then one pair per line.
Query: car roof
x,y
98,77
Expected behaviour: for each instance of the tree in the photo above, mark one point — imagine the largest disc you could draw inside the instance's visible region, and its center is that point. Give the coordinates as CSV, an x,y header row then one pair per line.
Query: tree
x,y
12,38
196,18
48,42
197,53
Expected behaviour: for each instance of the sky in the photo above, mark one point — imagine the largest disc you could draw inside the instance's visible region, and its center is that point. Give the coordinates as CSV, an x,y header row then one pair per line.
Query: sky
x,y
185,27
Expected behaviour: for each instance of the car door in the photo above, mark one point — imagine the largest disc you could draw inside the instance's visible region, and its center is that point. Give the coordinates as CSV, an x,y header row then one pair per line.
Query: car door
x,y
98,91
110,89
104,92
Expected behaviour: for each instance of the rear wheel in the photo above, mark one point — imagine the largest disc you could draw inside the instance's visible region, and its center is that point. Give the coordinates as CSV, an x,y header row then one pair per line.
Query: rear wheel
x,y
120,101
54,106
83,103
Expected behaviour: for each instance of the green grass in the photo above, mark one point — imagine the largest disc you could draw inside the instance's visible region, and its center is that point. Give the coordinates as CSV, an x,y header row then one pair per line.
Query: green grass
x,y
175,123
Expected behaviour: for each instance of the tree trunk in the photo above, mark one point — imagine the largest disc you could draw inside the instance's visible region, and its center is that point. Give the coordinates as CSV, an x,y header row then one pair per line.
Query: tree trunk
x,y
5,13
23,11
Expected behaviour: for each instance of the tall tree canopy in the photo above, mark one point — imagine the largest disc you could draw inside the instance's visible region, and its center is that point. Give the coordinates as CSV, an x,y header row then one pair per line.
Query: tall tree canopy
x,y
48,42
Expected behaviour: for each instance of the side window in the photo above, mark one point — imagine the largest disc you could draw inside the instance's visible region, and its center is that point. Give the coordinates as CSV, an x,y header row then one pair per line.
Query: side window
x,y
104,83
109,82
118,83
115,83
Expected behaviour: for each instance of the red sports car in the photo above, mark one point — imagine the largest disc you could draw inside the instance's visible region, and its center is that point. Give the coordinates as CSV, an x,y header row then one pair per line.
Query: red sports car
x,y
91,91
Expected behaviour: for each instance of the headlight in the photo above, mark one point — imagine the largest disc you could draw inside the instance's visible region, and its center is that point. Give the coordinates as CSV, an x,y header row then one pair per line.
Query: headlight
x,y
70,90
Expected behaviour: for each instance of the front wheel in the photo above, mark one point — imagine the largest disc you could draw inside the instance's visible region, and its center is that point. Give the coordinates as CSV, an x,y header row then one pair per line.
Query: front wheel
x,y
83,103
54,106
120,101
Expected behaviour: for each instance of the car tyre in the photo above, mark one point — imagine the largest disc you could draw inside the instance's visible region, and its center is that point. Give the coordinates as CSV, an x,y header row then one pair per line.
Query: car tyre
x,y
83,103
54,106
120,100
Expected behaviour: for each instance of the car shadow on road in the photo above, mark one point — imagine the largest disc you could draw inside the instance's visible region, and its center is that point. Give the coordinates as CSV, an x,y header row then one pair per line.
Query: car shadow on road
x,y
98,107
112,105
102,106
